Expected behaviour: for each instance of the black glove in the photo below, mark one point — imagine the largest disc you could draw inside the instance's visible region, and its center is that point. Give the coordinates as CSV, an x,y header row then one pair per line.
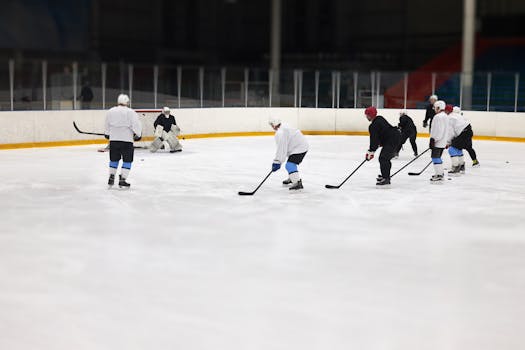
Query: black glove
x,y
432,143
136,138
106,136
425,123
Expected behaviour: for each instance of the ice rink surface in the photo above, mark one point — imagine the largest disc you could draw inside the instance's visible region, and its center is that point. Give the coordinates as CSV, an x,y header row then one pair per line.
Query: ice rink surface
x,y
180,261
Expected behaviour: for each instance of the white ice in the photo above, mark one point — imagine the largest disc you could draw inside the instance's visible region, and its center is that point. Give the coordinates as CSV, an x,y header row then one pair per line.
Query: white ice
x,y
181,261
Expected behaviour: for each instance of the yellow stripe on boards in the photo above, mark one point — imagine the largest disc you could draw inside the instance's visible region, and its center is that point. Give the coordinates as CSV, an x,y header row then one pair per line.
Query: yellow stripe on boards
x,y
226,134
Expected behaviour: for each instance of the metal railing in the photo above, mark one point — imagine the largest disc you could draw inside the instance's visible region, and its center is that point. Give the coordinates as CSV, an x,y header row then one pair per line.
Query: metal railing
x,y
43,85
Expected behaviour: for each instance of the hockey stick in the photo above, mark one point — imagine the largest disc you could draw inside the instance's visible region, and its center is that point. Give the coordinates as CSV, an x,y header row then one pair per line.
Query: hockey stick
x,y
407,164
241,193
85,132
341,184
421,172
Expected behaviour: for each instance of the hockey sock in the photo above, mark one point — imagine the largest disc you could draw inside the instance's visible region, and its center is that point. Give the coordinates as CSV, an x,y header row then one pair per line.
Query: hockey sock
x,y
126,166
454,161
438,168
461,160
295,177
291,167
113,168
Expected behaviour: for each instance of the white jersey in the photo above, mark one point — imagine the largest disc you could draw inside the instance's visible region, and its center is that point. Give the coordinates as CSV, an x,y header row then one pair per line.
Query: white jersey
x,y
439,130
121,123
456,124
289,141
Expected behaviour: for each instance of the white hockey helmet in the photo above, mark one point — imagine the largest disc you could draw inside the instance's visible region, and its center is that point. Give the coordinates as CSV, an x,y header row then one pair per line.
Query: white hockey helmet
x,y
456,109
123,99
166,110
439,105
274,121
433,97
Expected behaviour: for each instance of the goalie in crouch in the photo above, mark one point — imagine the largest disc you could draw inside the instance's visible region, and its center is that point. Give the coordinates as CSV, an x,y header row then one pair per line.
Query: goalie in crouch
x,y
166,132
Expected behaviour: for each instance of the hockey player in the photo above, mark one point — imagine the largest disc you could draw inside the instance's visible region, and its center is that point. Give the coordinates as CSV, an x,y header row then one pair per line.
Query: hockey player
x,y
408,131
438,140
385,135
291,144
166,131
122,127
470,150
459,138
429,115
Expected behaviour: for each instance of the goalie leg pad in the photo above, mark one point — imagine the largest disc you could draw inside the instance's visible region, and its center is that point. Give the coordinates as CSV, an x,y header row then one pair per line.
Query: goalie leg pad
x,y
173,142
159,130
155,145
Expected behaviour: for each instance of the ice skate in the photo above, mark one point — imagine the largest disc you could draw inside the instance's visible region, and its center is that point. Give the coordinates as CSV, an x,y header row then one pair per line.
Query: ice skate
x,y
384,183
462,169
475,163
122,183
454,170
379,178
287,182
111,180
438,178
176,150
297,186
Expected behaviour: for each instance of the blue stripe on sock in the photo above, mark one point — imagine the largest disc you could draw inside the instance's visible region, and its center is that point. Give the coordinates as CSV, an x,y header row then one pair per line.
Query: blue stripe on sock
x,y
126,165
437,160
291,167
454,152
113,165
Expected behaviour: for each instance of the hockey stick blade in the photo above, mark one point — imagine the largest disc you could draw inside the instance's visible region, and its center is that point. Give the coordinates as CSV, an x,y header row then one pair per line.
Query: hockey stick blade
x,y
85,132
422,171
407,164
349,176
241,193
331,186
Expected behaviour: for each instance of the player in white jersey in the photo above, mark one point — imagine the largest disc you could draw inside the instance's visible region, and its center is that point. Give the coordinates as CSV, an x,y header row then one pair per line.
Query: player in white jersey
x,y
122,127
438,139
468,146
291,147
459,138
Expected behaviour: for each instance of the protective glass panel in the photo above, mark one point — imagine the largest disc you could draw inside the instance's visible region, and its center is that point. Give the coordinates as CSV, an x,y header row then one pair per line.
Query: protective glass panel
x,y
89,89
212,88
28,92
143,89
167,90
190,88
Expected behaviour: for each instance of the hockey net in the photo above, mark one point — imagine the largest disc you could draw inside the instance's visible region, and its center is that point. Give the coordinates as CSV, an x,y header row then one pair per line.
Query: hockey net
x,y
147,117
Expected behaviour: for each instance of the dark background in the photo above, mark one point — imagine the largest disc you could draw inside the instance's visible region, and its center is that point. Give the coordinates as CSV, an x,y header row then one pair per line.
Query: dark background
x,y
372,34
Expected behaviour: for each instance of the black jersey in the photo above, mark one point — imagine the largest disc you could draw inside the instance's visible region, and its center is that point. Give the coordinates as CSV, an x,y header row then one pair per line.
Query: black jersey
x,y
382,133
165,122
430,113
406,124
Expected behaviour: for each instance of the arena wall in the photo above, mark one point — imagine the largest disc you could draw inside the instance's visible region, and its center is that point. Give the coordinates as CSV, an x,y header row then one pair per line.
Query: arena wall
x,y
55,128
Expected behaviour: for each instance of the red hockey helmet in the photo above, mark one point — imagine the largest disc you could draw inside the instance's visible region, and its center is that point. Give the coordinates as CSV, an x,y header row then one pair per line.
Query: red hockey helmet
x,y
449,108
371,112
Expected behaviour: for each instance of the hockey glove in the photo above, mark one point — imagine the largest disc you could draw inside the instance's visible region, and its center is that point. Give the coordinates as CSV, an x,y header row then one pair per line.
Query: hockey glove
x,y
369,155
136,138
276,166
425,124
432,143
